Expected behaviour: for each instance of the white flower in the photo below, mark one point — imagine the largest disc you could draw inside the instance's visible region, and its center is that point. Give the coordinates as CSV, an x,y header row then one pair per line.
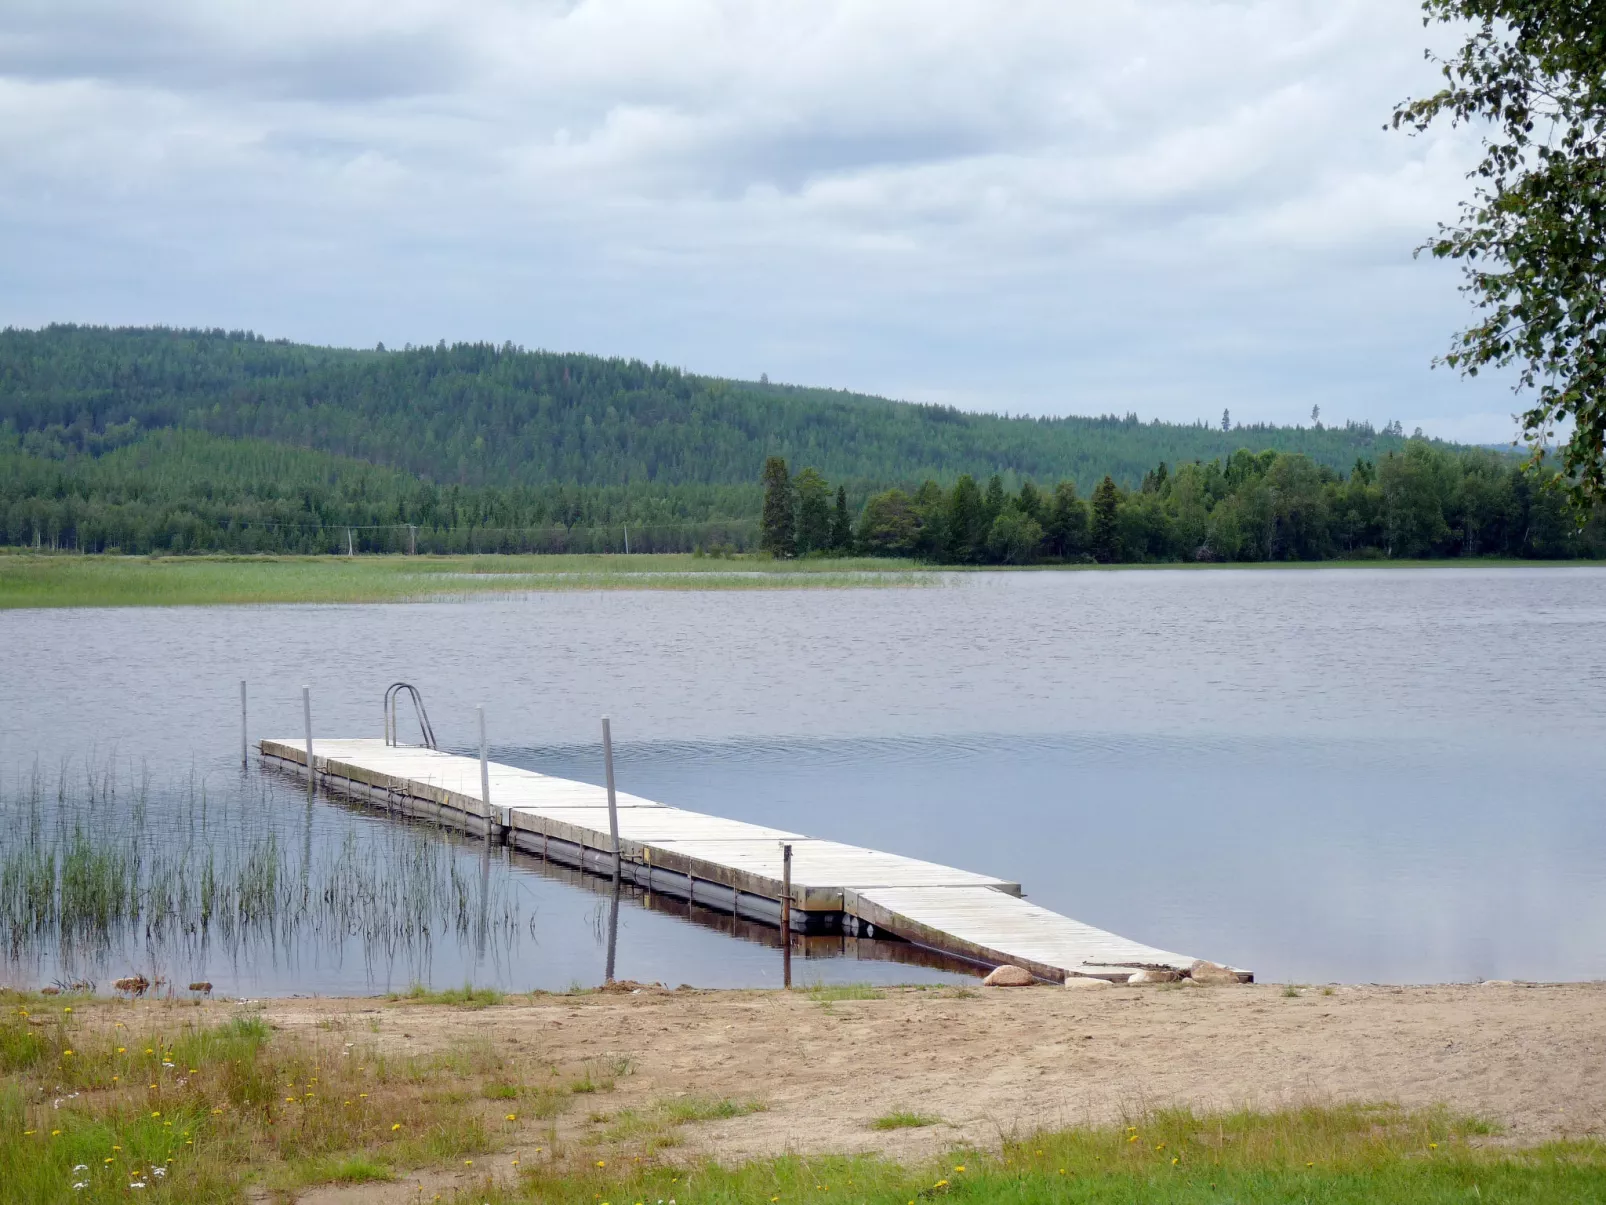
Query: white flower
x,y
137,1184
82,1167
81,1184
158,1171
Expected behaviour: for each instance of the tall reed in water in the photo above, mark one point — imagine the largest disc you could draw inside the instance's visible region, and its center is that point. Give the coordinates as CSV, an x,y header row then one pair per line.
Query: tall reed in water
x,y
98,863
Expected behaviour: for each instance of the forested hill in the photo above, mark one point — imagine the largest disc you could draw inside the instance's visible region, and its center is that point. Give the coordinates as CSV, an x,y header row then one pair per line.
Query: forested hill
x,y
477,414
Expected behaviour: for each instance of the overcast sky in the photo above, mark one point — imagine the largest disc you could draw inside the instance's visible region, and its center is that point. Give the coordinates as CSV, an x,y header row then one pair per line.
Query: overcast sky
x,y
1165,206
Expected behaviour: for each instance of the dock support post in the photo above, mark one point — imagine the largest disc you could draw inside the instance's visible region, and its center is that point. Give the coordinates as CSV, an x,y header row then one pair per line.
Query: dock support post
x,y
245,744
786,914
306,717
613,805
485,775
613,932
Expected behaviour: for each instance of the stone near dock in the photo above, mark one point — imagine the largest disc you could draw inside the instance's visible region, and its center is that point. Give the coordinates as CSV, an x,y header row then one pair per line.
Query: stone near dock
x,y
1009,975
1211,973
1152,975
1084,981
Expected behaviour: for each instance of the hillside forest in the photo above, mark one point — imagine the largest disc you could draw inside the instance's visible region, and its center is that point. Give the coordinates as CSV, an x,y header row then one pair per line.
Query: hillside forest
x,y
154,440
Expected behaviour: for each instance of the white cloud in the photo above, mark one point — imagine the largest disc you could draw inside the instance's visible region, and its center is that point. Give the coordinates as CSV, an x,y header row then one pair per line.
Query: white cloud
x,y
1164,206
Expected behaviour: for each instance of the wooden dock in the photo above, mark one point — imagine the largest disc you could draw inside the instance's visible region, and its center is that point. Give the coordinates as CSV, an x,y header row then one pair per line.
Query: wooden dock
x,y
729,864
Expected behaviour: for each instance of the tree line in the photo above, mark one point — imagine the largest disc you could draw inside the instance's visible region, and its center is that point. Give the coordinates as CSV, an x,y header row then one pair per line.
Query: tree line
x,y
1423,501
188,491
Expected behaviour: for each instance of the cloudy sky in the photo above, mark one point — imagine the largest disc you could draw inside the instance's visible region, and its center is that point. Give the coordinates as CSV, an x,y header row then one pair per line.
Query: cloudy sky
x,y
1164,206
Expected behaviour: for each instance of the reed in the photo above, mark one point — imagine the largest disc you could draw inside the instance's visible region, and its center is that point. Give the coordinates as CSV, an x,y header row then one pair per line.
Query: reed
x,y
95,864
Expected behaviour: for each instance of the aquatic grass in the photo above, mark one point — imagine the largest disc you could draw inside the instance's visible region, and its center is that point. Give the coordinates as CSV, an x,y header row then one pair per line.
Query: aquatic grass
x,y
101,865
28,580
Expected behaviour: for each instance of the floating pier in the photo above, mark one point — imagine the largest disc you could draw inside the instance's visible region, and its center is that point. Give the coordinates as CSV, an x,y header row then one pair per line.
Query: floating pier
x,y
728,864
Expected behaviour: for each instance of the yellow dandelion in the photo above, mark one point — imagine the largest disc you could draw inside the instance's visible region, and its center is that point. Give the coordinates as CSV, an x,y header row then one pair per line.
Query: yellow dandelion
x,y
602,1163
156,1113
395,1127
108,1159
1433,1146
122,1050
1131,1137
55,1133
512,1116
1175,1160
65,1053
468,1163
940,1184
960,1168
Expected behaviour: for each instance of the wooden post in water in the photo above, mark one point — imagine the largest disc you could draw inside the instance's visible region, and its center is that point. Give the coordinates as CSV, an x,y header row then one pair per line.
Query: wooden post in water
x,y
613,805
245,744
786,914
485,775
306,716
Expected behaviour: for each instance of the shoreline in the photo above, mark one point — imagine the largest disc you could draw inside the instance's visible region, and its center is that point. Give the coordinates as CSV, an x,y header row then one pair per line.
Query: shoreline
x,y
989,1061
34,580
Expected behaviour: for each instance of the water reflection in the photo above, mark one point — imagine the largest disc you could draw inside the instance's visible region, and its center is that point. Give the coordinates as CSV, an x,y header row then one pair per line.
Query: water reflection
x,y
1333,774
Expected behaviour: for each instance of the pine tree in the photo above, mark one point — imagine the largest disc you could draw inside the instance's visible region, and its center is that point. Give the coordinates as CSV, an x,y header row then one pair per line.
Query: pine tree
x,y
779,527
841,527
964,526
813,512
1104,536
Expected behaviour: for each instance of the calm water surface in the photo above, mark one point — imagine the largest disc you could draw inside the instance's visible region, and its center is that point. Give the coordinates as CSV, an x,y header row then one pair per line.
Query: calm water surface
x,y
1387,775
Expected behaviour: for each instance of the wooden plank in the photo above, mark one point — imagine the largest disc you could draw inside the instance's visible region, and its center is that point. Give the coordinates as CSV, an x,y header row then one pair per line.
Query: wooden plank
x,y
991,927
959,912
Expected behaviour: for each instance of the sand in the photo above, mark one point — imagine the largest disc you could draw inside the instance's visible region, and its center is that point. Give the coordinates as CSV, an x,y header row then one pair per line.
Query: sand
x,y
999,1061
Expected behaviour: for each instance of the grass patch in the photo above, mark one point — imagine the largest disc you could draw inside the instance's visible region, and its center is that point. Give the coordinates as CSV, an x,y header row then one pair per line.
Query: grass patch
x,y
682,1109
1348,1155
191,1109
653,1127
830,993
901,1120
467,996
30,580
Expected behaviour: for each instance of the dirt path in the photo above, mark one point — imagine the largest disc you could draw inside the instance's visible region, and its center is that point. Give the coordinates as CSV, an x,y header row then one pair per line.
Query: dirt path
x,y
1007,1061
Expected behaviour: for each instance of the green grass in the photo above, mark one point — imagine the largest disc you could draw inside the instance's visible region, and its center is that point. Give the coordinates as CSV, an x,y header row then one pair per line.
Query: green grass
x,y
902,1120
830,993
31,580
467,996
197,1110
1348,1155
681,1109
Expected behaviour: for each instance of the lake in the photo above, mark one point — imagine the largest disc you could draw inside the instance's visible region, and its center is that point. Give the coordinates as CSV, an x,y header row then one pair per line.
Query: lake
x,y
1323,775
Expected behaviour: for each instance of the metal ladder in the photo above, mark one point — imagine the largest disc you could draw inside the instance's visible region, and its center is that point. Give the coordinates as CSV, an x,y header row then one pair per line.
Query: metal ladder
x,y
392,693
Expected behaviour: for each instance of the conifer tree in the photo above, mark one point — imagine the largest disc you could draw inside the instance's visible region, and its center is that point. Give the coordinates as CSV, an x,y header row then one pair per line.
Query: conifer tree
x,y
841,527
779,526
813,511
1104,536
